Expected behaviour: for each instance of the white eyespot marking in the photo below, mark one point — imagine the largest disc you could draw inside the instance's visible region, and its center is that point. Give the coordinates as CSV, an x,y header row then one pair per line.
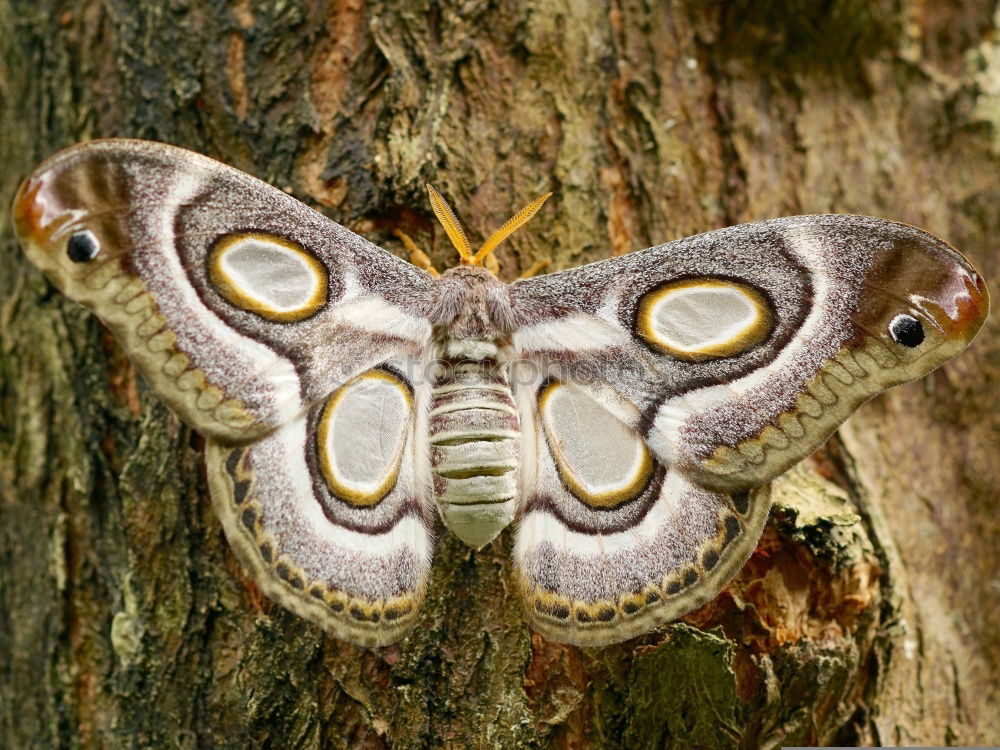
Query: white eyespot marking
x,y
602,461
361,436
268,275
700,319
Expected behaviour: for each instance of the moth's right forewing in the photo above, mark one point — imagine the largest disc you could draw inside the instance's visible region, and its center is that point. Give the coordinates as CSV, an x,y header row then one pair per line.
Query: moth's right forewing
x,y
764,337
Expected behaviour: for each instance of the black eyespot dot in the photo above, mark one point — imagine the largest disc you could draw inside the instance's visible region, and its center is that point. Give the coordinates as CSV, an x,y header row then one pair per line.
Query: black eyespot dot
x,y
392,613
82,246
907,330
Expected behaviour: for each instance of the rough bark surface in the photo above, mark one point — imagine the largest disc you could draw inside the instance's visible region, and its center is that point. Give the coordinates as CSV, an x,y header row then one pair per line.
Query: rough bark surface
x,y
868,613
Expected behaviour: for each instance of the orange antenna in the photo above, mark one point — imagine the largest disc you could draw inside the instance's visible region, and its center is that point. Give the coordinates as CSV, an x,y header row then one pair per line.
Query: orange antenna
x,y
450,223
512,224
457,235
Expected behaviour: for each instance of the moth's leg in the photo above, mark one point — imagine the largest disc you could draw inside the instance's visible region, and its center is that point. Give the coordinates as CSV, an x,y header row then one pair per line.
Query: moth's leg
x,y
537,266
417,256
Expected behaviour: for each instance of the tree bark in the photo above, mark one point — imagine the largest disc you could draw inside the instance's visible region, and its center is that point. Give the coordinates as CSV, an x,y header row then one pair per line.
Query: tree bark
x,y
868,613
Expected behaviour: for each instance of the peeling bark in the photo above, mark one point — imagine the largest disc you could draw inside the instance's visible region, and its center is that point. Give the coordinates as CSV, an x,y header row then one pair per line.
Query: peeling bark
x,y
868,613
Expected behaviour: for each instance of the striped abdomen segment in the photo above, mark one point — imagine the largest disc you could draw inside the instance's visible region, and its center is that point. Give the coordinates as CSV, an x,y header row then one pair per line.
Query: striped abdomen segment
x,y
474,436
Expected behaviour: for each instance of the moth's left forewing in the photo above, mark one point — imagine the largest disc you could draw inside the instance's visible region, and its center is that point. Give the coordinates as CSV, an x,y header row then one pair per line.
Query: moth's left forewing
x,y
240,305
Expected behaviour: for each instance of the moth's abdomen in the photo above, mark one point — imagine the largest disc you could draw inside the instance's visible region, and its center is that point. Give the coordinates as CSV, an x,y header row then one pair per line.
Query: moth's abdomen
x,y
474,437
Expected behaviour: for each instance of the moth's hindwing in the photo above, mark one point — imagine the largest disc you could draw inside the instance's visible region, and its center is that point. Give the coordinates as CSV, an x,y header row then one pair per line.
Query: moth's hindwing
x,y
612,542
239,305
328,512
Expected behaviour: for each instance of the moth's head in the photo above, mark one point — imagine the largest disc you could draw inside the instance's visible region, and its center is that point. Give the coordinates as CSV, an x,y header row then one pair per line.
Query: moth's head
x,y
921,299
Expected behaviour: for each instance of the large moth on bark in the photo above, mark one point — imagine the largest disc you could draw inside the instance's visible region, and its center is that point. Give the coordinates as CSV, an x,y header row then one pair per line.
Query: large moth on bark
x,y
626,415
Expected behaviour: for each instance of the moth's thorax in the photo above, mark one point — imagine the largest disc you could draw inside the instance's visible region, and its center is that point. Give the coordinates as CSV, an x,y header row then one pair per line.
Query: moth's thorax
x,y
469,302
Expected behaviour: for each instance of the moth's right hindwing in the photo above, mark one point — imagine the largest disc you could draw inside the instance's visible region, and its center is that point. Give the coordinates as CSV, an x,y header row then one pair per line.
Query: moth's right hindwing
x,y
612,542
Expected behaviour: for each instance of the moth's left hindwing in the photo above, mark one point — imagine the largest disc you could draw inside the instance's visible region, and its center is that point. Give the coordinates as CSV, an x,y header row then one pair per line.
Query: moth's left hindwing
x,y
329,512
282,337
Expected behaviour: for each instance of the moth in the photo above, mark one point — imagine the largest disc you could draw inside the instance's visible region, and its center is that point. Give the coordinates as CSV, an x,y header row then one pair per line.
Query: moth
x,y
627,414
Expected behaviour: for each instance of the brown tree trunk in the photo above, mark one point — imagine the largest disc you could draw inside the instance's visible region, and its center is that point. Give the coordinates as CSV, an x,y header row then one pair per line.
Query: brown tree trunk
x,y
869,612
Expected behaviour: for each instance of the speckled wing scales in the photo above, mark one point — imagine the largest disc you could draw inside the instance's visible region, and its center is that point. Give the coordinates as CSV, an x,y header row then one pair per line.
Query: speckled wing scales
x,y
239,305
744,348
727,357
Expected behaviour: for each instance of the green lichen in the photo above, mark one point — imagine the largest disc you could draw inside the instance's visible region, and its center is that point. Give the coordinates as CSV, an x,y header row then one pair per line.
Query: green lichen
x,y
683,693
983,64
